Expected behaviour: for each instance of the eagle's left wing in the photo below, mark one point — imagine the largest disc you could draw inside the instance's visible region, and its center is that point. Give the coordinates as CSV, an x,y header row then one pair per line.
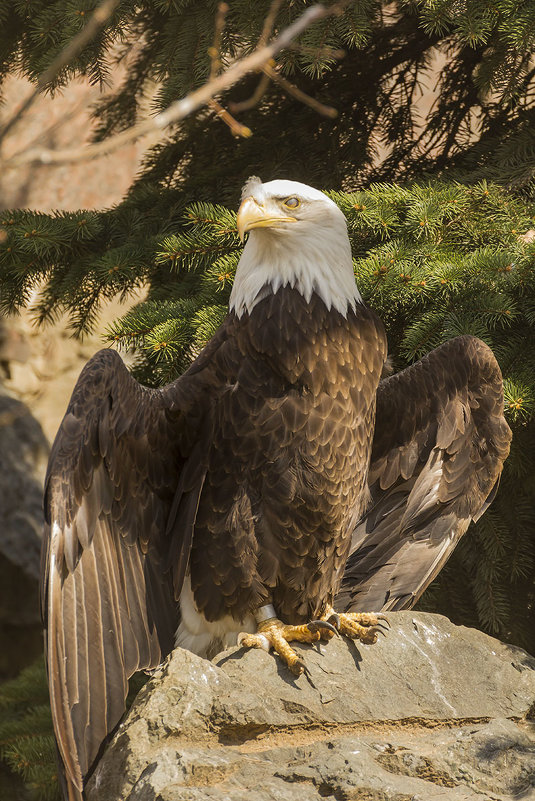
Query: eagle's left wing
x,y
438,450
124,478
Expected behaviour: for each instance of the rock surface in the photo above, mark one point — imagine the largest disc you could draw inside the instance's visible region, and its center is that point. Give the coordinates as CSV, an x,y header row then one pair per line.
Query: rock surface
x,y
432,711
23,458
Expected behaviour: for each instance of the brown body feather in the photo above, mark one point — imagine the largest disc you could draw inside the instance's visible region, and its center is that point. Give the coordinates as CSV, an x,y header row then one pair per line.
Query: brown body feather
x,y
287,462
251,468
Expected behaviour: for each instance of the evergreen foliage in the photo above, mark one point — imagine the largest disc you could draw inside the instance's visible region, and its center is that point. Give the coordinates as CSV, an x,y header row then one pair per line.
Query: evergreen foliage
x,y
26,743
438,232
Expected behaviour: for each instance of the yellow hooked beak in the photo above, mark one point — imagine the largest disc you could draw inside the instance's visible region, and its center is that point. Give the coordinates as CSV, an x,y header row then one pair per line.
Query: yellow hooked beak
x,y
253,215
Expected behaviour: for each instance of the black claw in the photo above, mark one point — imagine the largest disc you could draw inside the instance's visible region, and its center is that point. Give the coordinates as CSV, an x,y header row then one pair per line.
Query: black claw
x,y
335,620
380,627
299,667
316,625
376,630
380,616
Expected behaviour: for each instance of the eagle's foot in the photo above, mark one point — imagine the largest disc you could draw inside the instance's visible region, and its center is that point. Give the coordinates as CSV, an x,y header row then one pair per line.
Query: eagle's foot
x,y
363,626
273,633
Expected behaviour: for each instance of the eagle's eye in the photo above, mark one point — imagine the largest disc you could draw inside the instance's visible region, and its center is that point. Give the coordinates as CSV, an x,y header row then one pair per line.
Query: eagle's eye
x,y
292,203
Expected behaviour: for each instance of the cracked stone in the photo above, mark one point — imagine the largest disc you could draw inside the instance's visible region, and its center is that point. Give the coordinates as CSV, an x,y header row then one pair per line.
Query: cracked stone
x,y
433,712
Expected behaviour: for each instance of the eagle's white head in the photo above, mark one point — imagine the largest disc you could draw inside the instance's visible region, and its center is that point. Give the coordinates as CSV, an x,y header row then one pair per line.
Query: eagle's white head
x,y
298,238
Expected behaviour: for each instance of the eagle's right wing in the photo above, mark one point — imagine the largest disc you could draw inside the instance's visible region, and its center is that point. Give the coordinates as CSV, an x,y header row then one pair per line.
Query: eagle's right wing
x,y
439,446
124,478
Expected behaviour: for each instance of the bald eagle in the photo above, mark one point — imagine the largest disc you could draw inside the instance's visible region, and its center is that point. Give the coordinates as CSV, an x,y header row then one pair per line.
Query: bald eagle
x,y
276,481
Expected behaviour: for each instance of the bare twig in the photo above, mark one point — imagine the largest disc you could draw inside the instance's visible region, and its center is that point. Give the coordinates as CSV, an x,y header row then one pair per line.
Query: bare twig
x,y
215,51
236,128
255,98
263,83
321,108
98,19
271,74
269,22
181,108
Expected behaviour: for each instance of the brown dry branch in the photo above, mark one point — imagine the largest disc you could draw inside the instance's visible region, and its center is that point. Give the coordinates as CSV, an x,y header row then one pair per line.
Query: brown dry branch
x,y
321,108
180,109
269,22
236,128
255,98
215,51
271,74
263,84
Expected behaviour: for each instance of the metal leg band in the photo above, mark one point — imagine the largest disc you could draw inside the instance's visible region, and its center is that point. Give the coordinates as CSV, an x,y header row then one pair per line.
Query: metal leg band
x,y
264,613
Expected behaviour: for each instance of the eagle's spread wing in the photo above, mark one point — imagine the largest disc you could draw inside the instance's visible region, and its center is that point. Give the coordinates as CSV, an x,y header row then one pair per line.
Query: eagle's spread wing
x,y
439,446
121,493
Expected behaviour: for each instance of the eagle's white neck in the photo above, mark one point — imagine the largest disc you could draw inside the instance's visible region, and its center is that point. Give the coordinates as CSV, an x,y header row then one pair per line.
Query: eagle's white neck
x,y
315,259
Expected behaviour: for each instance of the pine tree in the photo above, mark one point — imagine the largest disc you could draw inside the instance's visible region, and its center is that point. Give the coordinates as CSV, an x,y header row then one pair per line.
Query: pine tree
x,y
26,744
439,213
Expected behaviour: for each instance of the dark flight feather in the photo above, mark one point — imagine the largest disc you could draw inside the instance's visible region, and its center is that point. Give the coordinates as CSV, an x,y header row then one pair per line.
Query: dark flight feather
x,y
439,445
107,602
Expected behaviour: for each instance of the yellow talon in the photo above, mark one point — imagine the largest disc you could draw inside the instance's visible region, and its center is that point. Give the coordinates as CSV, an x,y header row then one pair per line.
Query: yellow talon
x,y
276,634
273,633
363,626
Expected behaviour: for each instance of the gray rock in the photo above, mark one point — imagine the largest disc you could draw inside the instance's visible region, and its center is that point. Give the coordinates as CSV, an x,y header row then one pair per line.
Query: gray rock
x,y
23,457
432,711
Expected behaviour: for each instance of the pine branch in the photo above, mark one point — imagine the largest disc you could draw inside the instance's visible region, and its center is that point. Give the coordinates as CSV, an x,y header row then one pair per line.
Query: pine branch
x,y
181,108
